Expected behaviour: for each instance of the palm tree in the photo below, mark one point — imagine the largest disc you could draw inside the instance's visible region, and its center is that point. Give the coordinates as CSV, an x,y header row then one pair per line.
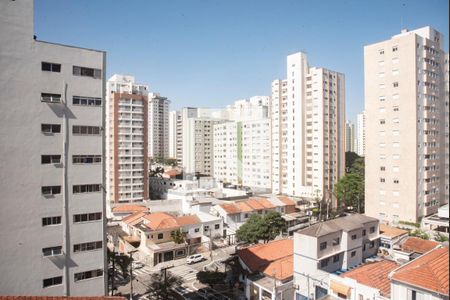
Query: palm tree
x,y
162,284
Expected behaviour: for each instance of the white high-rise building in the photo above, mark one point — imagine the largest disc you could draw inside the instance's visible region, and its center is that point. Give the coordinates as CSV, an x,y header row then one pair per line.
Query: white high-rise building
x,y
242,147
308,130
158,128
127,140
350,140
51,115
173,134
361,134
195,147
406,105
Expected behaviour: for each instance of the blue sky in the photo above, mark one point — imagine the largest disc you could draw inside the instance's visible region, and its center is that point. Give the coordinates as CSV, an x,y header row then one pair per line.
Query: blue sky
x,y
210,53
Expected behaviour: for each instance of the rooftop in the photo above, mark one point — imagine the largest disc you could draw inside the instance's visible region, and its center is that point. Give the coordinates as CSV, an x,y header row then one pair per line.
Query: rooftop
x,y
347,223
374,275
286,200
391,232
274,259
429,272
129,208
418,245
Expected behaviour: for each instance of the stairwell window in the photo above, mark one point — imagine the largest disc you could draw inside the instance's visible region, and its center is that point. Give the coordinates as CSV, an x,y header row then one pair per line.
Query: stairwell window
x,y
51,67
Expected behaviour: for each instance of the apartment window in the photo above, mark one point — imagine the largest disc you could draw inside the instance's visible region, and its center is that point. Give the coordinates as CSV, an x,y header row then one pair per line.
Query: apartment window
x,y
336,241
395,49
395,84
160,236
47,221
52,98
52,251
52,281
196,229
382,180
323,245
87,72
51,67
51,190
354,237
86,101
382,98
395,108
382,122
381,51
87,246
324,262
336,258
86,159
50,159
86,130
88,274
382,168
79,218
50,128
86,188
372,244
353,254
372,229
396,181
217,226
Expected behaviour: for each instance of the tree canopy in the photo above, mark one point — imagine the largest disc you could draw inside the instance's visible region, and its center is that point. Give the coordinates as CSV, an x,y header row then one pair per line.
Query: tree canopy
x,y
259,227
161,287
349,189
177,236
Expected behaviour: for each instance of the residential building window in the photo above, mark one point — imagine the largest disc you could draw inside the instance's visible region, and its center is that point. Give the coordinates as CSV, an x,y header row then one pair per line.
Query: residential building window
x,y
52,281
87,246
381,51
323,245
394,49
396,181
53,98
382,168
79,218
50,128
324,262
86,188
217,226
87,72
86,159
395,84
364,232
353,253
86,101
382,122
51,67
52,251
51,190
372,229
88,274
372,244
160,236
354,237
85,130
196,229
336,258
382,180
47,221
50,159
336,241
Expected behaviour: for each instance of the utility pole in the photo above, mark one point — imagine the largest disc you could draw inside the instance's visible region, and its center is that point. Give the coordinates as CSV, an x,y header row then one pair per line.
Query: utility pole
x,y
164,270
113,271
131,273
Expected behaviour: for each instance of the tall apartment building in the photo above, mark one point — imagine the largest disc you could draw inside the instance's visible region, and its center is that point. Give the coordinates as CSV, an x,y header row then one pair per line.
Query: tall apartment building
x,y
406,94
350,141
51,115
158,126
173,134
127,140
361,133
242,147
195,139
308,130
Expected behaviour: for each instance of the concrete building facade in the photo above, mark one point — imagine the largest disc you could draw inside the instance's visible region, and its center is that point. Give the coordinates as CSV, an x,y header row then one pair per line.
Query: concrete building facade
x,y
350,137
158,126
173,134
127,140
406,94
51,115
308,130
361,133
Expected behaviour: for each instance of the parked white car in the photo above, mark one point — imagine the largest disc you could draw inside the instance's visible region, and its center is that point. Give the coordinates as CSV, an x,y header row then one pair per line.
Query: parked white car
x,y
194,258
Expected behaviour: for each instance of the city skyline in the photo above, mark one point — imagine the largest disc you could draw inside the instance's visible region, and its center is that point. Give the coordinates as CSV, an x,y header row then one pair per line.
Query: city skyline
x,y
203,37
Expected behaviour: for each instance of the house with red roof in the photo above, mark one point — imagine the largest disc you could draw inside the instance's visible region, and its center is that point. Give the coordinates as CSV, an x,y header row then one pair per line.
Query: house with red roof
x,y
426,277
269,270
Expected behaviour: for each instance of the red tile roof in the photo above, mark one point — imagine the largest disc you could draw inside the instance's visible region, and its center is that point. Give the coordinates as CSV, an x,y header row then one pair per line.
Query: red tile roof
x,y
273,259
414,244
255,204
266,203
133,219
374,275
286,200
429,272
172,173
244,206
59,298
129,208
160,221
187,220
230,208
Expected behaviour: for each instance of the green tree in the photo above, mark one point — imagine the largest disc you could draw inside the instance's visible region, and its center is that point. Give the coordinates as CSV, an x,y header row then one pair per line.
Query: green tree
x,y
350,158
420,234
358,167
261,228
439,237
123,261
162,284
177,236
349,190
211,277
156,172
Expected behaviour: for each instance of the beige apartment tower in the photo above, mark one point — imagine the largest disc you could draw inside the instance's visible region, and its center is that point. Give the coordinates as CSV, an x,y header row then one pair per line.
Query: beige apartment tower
x,y
406,106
